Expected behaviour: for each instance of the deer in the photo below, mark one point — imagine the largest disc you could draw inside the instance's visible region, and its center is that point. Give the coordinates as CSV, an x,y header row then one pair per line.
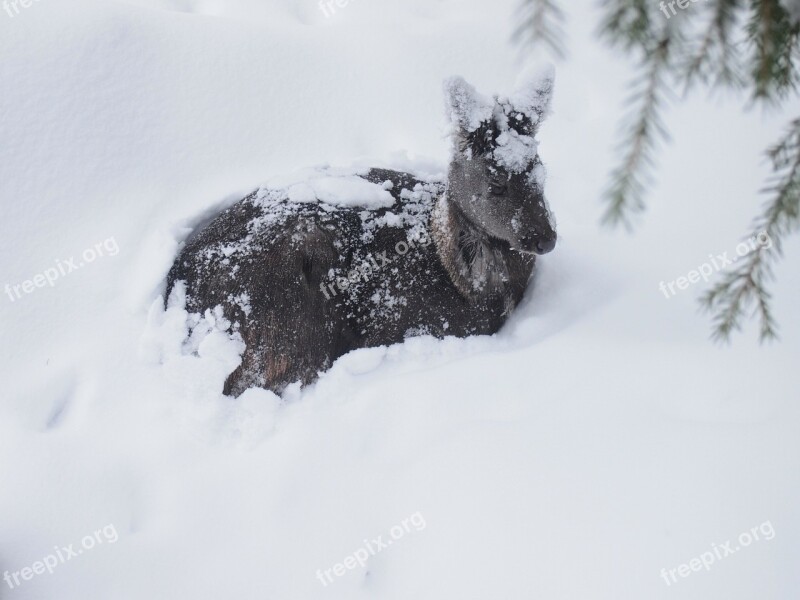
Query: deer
x,y
304,276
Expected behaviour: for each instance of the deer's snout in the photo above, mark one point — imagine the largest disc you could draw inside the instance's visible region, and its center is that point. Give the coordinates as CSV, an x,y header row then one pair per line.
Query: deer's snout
x,y
538,244
545,245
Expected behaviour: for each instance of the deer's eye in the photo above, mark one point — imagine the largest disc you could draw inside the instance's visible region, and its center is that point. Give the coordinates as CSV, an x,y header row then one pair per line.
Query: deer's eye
x,y
498,185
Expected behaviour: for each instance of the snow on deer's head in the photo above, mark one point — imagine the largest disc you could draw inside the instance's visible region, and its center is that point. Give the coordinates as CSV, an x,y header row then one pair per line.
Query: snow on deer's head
x,y
496,177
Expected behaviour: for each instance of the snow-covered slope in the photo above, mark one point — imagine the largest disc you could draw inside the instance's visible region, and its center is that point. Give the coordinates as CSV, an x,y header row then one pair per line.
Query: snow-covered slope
x,y
596,440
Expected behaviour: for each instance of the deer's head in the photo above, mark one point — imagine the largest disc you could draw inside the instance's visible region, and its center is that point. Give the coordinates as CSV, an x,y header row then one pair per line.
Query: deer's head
x,y
496,177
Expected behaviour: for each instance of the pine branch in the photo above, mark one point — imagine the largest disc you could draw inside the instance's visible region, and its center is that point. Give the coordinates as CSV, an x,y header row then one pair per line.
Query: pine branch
x,y
541,22
746,43
628,23
739,289
716,60
747,285
625,194
774,39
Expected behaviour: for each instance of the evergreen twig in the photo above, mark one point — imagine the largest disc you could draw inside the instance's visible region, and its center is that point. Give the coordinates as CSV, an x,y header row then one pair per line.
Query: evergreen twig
x,y
541,22
625,194
747,285
751,44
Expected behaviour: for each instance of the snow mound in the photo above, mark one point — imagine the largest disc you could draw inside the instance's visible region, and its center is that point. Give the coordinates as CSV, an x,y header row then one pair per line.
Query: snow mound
x,y
336,187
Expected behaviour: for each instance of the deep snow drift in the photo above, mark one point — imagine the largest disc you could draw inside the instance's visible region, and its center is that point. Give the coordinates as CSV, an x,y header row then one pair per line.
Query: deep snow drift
x,y
596,440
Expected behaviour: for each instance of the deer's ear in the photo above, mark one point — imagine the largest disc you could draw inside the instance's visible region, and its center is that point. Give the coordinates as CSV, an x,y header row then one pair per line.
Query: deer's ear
x,y
533,93
466,108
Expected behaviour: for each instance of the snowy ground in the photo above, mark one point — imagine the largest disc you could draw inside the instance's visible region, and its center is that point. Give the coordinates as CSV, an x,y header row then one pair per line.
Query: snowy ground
x,y
596,440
